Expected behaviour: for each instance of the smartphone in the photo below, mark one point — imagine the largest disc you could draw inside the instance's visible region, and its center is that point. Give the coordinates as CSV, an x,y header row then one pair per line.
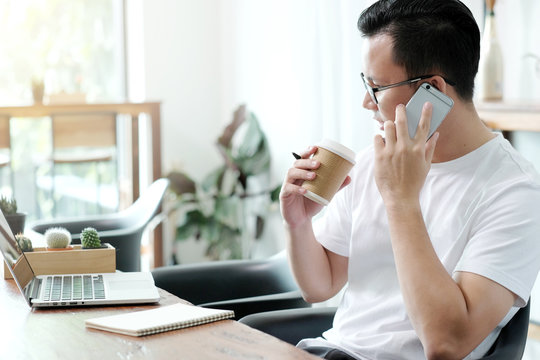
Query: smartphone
x,y
441,106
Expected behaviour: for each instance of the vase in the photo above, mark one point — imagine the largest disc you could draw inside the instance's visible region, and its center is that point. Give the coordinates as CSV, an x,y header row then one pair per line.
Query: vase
x,y
16,222
490,70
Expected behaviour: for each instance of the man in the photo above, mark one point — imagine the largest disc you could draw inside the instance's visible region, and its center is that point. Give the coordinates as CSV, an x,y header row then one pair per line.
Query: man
x,y
436,240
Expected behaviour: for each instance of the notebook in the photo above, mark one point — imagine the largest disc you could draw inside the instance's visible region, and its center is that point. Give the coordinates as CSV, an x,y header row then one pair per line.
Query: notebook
x,y
73,289
165,318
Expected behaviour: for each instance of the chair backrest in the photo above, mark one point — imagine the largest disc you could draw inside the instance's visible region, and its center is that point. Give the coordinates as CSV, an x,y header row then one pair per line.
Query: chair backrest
x,y
5,142
146,206
510,343
87,130
123,230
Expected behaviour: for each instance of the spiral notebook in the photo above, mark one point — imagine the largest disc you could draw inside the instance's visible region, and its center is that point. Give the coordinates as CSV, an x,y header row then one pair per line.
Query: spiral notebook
x,y
164,318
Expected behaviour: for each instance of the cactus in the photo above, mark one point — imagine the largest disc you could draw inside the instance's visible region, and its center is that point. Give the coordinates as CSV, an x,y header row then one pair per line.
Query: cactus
x,y
24,243
90,238
8,205
57,237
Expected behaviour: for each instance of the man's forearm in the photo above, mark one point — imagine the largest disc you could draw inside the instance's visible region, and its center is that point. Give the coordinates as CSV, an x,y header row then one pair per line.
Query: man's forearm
x,y
435,303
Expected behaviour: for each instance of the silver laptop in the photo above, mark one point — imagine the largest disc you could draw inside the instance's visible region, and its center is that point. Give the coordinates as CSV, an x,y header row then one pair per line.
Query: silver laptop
x,y
73,289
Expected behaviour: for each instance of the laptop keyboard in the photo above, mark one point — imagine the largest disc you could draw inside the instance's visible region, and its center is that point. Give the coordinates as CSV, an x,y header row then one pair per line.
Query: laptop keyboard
x,y
74,287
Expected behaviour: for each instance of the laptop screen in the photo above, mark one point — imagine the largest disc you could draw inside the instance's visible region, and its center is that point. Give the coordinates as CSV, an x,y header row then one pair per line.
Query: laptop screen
x,y
14,258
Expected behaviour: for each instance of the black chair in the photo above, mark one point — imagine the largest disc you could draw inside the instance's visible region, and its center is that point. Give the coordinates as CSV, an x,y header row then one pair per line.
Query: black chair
x,y
245,286
123,230
296,324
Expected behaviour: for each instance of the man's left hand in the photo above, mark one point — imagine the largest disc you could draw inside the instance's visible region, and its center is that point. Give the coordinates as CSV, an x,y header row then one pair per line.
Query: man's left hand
x,y
402,163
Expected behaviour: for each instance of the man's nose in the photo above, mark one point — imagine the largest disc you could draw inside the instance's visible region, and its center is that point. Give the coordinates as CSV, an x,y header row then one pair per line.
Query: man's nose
x,y
368,102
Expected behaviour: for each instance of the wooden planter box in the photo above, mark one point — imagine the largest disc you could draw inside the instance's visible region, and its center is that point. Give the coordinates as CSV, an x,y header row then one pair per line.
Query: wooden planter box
x,y
74,261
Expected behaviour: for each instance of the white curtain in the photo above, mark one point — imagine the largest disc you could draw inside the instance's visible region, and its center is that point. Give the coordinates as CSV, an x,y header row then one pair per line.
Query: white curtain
x,y
297,66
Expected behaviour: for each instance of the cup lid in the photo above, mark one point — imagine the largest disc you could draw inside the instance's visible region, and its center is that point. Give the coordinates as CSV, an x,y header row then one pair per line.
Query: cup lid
x,y
338,148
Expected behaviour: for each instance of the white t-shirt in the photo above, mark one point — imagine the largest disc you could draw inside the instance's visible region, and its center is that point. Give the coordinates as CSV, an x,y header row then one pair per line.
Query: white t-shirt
x,y
482,215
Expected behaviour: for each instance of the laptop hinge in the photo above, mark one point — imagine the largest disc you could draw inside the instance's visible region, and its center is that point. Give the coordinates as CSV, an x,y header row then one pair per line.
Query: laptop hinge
x,y
35,288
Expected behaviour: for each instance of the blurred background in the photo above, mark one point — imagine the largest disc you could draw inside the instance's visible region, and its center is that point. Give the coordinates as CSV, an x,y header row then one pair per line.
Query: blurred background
x,y
294,64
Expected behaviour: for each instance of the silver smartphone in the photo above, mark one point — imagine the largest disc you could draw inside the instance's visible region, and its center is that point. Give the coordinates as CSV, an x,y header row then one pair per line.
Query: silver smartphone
x,y
441,106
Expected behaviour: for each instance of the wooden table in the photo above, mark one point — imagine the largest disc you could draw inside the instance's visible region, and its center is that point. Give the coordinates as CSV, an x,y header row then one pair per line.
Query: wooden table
x,y
61,334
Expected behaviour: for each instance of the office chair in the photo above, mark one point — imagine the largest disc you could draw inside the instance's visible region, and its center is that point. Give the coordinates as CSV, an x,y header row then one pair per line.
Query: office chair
x,y
245,286
293,325
123,230
82,139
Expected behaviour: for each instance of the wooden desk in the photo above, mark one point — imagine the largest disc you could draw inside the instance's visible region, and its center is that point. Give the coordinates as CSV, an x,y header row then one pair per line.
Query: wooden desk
x,y
132,109
61,334
510,116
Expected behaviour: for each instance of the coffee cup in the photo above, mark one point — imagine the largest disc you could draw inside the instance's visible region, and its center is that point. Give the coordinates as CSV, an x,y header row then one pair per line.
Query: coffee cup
x,y
336,162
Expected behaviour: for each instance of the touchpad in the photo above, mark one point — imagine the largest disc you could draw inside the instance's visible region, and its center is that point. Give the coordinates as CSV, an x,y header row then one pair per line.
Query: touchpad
x,y
128,284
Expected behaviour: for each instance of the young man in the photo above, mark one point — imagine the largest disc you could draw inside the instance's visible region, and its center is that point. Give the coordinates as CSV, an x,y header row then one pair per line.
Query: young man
x,y
437,240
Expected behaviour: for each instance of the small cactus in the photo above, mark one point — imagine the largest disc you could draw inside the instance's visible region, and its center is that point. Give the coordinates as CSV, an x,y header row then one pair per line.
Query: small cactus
x,y
90,238
24,243
8,205
57,238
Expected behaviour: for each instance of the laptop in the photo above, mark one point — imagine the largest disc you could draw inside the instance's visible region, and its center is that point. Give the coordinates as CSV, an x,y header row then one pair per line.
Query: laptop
x,y
45,291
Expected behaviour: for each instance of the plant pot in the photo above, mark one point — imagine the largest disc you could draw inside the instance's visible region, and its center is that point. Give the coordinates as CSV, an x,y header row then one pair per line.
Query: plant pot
x,y
102,246
74,261
16,222
60,249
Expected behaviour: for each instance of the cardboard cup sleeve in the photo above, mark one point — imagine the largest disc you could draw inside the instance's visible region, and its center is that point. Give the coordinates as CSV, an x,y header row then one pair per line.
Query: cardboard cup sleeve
x,y
336,162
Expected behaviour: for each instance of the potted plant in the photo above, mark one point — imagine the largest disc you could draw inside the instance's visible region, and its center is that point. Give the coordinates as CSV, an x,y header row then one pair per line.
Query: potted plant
x,y
24,243
228,209
90,239
58,238
14,218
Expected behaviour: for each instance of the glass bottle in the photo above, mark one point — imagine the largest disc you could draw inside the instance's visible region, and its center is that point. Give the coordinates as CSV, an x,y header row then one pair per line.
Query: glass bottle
x,y
490,71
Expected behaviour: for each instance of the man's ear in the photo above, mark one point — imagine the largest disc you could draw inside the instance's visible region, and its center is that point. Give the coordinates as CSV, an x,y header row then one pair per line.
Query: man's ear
x,y
438,83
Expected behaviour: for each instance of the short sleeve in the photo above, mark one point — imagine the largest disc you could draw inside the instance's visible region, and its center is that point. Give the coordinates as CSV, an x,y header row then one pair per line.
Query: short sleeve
x,y
505,239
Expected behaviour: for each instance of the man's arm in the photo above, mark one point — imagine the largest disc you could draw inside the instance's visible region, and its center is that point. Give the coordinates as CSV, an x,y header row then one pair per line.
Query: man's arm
x,y
451,317
319,273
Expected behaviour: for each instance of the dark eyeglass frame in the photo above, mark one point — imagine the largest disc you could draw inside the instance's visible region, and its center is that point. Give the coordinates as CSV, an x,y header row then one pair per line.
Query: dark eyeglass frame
x,y
372,90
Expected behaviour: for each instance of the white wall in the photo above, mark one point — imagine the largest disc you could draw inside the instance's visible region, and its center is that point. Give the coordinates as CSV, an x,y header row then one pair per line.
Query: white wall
x,y
182,70
196,63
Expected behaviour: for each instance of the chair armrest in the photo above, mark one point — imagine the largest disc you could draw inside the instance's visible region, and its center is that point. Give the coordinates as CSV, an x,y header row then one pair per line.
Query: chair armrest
x,y
510,344
293,325
225,280
256,304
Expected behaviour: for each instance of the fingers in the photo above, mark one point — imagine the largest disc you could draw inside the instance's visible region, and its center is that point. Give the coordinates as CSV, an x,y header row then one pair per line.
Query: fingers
x,y
389,133
425,122
307,153
301,171
402,130
430,147
346,182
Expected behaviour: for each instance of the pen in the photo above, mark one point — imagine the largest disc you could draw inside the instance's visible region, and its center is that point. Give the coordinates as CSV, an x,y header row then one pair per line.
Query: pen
x,y
296,156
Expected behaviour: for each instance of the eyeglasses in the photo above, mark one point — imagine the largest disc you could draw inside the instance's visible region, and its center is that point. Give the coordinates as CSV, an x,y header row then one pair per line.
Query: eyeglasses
x,y
372,90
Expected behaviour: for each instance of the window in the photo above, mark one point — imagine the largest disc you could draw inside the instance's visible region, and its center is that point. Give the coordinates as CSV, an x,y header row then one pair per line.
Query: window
x,y
76,49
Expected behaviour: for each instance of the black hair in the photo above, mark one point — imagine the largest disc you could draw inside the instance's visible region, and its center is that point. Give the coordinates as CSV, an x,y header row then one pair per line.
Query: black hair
x,y
429,37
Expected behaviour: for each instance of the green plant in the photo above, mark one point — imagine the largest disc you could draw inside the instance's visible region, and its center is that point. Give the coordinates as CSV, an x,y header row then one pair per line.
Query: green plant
x,y
24,243
8,205
90,238
233,199
57,237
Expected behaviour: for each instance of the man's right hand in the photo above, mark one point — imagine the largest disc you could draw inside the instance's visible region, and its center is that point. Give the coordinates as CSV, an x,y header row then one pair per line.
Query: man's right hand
x,y
296,209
